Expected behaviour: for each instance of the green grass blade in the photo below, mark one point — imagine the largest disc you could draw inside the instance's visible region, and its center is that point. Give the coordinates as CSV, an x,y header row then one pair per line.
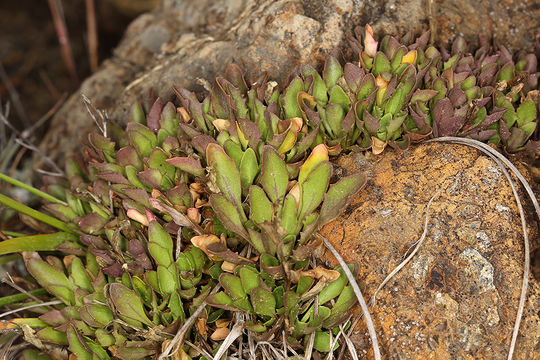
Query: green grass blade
x,y
6,300
43,242
17,206
8,258
31,189
12,233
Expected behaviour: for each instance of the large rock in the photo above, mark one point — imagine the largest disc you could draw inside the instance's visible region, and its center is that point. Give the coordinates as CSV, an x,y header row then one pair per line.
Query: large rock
x,y
186,40
457,298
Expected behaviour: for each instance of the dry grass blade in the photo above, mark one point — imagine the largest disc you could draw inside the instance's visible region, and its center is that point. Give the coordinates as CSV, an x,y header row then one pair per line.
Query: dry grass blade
x,y
359,296
349,343
54,302
411,255
309,347
6,343
95,113
499,159
63,38
178,339
91,28
201,351
236,332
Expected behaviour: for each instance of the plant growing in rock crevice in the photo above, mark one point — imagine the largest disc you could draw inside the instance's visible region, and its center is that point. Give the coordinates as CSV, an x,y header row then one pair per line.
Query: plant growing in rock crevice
x,y
229,192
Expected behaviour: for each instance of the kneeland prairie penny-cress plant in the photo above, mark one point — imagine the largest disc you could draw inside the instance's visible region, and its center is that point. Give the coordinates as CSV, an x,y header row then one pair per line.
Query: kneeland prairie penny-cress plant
x,y
193,229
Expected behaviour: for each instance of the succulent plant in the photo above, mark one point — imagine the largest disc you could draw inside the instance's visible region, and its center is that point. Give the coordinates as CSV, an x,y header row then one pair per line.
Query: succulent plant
x,y
228,192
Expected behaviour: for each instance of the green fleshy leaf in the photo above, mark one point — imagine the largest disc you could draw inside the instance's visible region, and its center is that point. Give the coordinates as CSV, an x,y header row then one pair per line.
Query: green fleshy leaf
x,y
526,113
334,288
160,244
128,305
79,275
322,341
249,277
260,208
332,72
175,304
52,279
249,168
339,195
381,64
274,176
228,214
227,175
313,189
232,285
50,335
290,104
263,301
289,214
338,96
76,345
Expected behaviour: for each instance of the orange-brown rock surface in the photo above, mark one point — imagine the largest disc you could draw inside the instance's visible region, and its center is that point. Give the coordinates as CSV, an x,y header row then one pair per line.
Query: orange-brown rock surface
x,y
458,297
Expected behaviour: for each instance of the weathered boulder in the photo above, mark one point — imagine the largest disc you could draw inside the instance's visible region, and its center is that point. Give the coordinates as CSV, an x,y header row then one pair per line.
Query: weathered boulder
x,y
183,41
457,298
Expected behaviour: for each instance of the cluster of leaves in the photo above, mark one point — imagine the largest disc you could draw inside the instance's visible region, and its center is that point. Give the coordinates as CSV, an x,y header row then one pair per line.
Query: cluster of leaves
x,y
228,193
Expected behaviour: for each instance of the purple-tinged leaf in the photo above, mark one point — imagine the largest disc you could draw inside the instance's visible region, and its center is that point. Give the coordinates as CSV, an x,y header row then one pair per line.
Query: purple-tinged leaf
x,y
251,131
179,218
371,123
457,96
201,142
483,135
128,156
228,214
443,111
234,74
353,76
152,119
423,95
187,164
91,223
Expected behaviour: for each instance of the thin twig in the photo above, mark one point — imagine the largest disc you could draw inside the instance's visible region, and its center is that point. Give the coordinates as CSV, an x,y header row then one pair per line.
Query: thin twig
x,y
63,38
14,96
24,142
91,28
359,296
20,289
499,159
404,262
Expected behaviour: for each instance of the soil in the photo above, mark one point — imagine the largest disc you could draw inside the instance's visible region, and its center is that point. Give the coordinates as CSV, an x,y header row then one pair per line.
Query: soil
x,y
31,54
